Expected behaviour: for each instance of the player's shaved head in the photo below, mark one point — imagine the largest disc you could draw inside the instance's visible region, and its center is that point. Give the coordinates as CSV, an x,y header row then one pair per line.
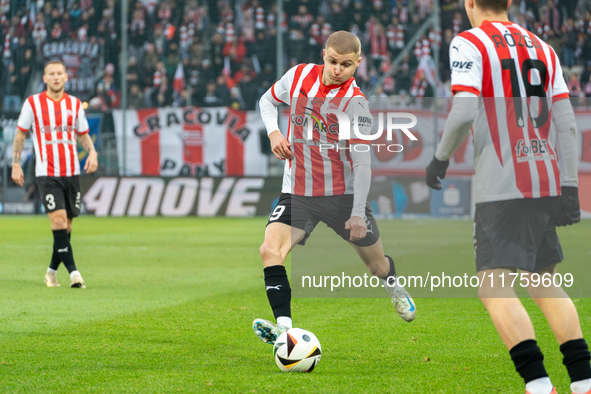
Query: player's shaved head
x,y
344,43
496,6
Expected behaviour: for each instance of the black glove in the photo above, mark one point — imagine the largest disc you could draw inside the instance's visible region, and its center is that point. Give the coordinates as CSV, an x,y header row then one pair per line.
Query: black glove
x,y
570,212
436,169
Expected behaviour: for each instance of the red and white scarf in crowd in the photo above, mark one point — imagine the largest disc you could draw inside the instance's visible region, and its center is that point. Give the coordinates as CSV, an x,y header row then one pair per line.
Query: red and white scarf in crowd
x,y
39,32
271,21
435,38
260,18
377,40
422,48
186,34
7,46
542,30
418,50
227,30
157,79
303,20
396,36
553,17
402,14
419,88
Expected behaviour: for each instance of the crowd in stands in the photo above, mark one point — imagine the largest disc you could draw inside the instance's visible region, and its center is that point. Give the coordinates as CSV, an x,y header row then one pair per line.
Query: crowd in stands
x,y
223,52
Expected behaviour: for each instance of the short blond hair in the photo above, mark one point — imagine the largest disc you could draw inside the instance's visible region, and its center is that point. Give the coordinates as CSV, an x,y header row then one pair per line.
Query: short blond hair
x,y
54,61
344,43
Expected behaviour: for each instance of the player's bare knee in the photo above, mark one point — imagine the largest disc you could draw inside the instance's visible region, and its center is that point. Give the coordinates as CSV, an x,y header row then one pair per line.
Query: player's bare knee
x,y
58,222
270,253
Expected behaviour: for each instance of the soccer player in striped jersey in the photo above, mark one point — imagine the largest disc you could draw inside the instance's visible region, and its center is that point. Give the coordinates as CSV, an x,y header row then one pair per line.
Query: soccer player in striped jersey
x,y
328,185
508,85
56,119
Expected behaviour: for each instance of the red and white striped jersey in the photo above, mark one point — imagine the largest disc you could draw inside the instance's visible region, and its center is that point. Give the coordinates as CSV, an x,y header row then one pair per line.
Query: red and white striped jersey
x,y
518,76
314,171
54,125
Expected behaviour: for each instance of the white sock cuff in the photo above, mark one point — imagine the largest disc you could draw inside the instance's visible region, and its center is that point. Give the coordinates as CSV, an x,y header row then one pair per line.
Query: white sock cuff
x,y
73,273
540,386
285,321
581,386
51,271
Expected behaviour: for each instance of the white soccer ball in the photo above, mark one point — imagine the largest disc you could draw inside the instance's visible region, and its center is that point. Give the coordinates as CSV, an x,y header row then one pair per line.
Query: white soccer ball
x,y
297,350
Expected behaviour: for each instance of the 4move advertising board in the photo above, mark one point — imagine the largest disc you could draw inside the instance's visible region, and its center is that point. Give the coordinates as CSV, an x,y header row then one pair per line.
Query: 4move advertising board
x,y
152,196
389,197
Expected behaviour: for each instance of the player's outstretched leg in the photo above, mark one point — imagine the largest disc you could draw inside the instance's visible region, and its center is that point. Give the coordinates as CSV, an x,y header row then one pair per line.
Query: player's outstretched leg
x,y
279,239
383,267
561,314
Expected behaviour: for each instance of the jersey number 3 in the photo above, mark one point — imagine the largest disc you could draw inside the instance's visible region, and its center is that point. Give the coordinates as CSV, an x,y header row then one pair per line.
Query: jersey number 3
x,y
50,201
530,90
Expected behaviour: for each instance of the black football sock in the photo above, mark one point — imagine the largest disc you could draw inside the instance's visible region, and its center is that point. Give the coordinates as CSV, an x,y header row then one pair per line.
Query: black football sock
x,y
278,290
55,258
392,269
576,359
61,245
528,360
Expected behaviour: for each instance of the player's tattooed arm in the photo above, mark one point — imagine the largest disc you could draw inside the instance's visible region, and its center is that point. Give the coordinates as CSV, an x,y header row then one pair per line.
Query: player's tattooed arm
x,y
92,160
17,148
87,143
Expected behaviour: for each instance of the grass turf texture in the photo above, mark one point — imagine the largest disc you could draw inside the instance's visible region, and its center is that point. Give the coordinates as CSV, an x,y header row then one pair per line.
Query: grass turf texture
x,y
170,302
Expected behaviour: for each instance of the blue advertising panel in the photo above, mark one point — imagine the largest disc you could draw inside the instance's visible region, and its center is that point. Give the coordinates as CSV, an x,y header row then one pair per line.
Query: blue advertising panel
x,y
454,199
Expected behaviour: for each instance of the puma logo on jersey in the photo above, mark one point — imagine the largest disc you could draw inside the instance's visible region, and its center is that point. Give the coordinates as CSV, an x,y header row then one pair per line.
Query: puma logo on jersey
x,y
64,250
456,47
273,287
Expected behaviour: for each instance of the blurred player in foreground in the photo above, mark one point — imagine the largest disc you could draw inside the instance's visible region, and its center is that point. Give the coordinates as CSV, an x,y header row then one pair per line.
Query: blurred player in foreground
x,y
56,118
521,195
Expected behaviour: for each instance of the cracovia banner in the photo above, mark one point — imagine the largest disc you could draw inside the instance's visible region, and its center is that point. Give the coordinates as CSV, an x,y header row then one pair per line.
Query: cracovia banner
x,y
190,141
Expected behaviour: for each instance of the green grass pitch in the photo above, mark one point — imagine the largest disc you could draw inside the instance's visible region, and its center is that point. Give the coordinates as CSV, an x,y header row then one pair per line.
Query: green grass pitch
x,y
169,305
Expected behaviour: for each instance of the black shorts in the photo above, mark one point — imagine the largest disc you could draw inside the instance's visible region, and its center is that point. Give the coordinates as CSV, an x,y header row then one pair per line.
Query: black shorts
x,y
517,234
305,213
60,193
